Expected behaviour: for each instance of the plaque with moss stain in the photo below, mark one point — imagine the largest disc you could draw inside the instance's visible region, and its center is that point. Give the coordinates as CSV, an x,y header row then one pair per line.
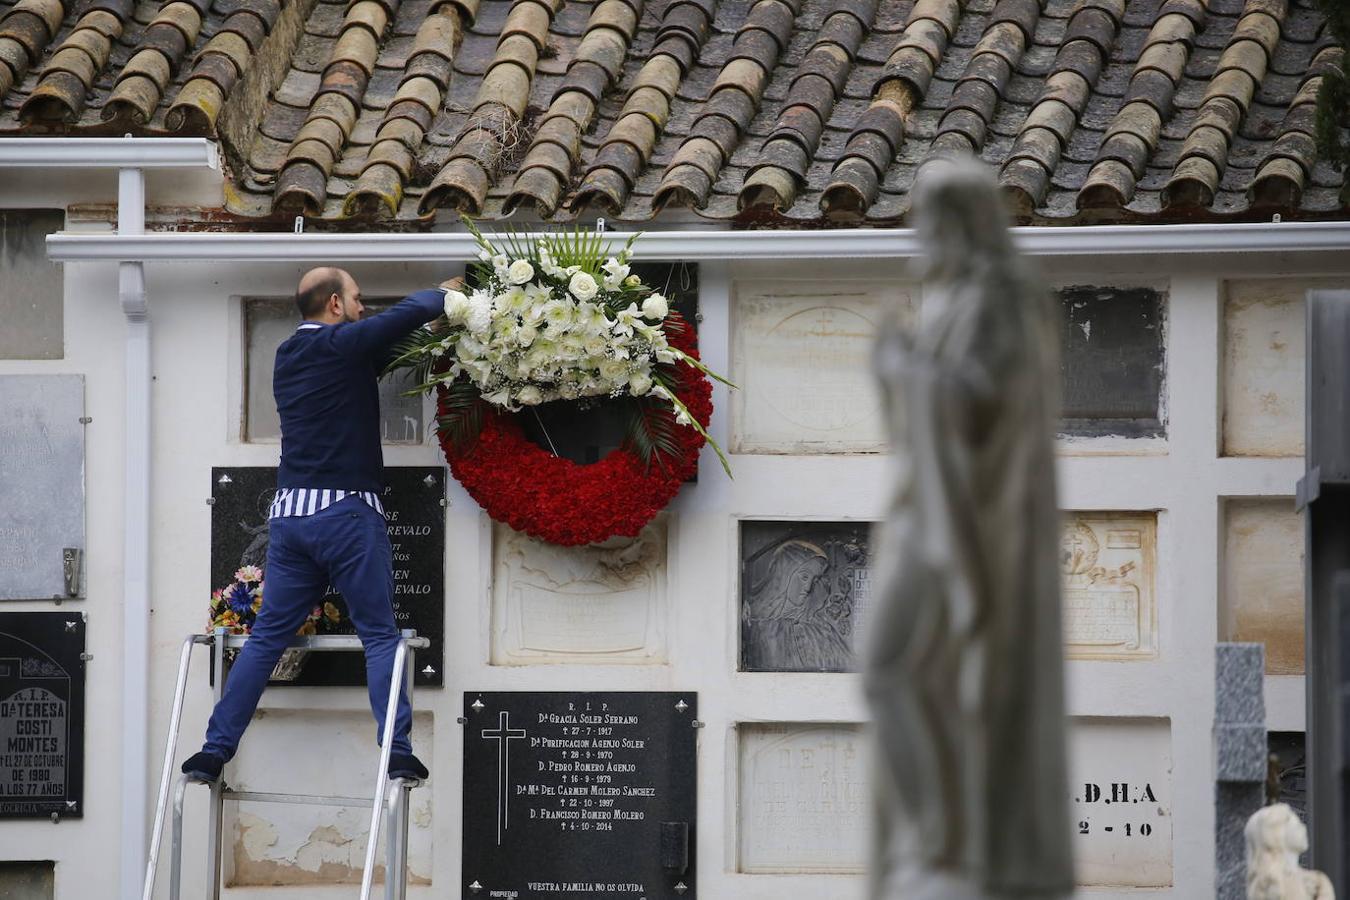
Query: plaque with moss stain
x,y
412,500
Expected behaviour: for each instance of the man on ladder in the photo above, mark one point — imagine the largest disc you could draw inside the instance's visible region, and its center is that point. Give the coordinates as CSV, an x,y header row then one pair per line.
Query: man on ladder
x,y
326,524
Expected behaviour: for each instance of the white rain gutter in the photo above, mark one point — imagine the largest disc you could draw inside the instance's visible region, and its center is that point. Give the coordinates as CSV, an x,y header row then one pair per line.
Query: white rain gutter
x,y
852,243
130,157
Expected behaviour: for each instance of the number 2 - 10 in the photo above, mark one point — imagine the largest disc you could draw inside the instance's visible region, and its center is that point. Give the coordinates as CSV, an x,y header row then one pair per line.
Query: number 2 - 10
x,y
1144,830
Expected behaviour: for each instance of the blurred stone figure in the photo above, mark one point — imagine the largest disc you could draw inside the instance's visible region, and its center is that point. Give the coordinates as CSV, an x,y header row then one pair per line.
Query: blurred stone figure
x,y
963,667
1275,839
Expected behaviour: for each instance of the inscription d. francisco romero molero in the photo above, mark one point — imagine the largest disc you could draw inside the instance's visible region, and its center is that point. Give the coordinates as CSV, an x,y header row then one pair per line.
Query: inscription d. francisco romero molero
x,y
576,794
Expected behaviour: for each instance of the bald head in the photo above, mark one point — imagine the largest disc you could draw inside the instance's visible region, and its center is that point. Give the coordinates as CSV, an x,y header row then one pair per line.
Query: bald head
x,y
317,287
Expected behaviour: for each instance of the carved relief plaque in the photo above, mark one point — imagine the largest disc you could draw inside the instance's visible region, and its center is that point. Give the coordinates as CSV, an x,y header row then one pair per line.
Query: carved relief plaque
x,y
803,802
802,360
1263,580
805,590
1108,563
602,603
1121,786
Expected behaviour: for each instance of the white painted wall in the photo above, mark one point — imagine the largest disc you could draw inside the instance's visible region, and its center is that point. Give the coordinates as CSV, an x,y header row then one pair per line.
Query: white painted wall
x,y
197,351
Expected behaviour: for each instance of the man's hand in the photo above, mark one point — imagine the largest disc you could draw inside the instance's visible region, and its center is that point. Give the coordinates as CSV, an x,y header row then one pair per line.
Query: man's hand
x,y
452,284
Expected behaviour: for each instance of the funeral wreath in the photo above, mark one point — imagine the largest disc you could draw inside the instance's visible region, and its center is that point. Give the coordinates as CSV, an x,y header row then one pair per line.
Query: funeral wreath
x,y
559,319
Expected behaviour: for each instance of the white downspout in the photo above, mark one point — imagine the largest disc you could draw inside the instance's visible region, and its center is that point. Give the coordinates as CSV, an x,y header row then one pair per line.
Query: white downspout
x,y
136,537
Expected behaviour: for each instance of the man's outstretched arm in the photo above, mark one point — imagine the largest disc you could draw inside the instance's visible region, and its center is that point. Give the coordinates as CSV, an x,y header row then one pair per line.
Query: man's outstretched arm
x,y
375,336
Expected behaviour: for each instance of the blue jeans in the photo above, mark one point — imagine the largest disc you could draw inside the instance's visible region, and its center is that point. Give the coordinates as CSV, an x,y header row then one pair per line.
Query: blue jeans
x,y
345,545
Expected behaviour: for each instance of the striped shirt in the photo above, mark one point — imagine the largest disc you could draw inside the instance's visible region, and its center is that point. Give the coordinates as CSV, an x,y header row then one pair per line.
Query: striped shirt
x,y
308,501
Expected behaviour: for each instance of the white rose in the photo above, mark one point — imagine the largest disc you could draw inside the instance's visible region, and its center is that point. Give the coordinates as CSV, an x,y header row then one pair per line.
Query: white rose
x,y
526,335
632,281
456,307
595,344
520,271
639,383
655,307
614,371
529,395
583,286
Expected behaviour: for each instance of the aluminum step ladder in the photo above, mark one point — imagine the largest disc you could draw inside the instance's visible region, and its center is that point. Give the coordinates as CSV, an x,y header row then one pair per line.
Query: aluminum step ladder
x,y
391,796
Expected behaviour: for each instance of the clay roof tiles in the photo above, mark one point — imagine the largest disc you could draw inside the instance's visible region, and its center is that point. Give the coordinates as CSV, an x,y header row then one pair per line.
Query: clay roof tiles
x,y
763,112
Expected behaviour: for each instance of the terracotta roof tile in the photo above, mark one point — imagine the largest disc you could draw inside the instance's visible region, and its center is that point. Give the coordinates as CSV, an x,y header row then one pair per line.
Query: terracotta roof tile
x,y
767,112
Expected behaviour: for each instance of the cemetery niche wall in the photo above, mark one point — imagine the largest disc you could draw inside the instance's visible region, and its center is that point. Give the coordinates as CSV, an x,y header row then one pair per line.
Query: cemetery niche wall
x,y
570,793
414,505
42,690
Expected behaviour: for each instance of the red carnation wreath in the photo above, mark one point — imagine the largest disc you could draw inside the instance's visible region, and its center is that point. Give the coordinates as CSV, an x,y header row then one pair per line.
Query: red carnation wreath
x,y
559,319
523,485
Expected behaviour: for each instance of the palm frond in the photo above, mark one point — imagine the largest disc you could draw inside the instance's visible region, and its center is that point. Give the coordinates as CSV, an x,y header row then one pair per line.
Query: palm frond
x,y
651,431
413,353
462,413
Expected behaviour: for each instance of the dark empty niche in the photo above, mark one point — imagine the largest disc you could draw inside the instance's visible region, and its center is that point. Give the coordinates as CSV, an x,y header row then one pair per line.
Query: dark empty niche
x,y
28,880
1112,361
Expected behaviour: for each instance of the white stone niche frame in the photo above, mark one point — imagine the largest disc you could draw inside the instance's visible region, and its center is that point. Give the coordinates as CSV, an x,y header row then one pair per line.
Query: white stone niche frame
x,y
600,604
801,354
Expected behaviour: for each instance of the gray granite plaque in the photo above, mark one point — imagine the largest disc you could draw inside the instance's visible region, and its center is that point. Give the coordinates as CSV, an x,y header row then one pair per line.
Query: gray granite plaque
x,y
805,588
41,486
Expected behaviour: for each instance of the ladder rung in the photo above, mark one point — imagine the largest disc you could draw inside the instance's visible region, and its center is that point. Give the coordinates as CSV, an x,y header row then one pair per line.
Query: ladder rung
x,y
304,799
311,799
322,642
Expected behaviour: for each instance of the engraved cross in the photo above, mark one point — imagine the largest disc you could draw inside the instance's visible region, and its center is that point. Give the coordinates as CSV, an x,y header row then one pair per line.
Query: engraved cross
x,y
503,734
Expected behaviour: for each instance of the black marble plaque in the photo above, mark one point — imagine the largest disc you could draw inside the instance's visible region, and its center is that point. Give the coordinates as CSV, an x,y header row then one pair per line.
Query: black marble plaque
x,y
1112,361
805,589
41,714
574,794
412,502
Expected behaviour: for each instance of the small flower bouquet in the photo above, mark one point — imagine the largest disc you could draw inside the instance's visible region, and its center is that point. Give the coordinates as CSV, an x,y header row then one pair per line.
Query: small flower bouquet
x,y
561,319
235,607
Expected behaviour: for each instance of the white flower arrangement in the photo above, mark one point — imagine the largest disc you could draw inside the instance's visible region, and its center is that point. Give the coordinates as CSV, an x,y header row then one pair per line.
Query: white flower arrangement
x,y
554,318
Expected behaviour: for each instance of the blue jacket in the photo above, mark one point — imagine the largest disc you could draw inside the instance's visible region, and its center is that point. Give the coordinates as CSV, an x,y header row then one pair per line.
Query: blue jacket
x,y
325,384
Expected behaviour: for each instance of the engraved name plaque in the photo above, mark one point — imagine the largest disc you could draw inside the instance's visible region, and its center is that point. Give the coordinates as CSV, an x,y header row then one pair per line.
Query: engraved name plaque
x,y
1108,563
412,501
575,794
41,714
41,486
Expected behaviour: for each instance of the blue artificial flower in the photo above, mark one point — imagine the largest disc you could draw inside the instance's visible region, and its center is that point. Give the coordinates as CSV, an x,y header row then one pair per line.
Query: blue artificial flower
x,y
240,598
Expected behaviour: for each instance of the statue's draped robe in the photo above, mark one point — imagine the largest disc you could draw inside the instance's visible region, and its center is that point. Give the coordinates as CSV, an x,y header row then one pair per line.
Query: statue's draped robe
x,y
963,659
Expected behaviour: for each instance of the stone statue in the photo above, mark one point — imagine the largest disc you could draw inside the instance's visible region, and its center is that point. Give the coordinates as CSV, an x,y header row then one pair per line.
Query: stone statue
x,y
1275,839
963,669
